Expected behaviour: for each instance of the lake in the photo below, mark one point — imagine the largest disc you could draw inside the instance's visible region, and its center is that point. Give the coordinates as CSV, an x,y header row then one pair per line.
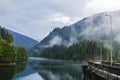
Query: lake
x,y
42,69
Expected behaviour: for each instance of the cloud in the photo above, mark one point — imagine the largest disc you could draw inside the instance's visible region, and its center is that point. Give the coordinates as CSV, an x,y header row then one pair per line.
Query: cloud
x,y
103,5
6,6
100,27
55,41
36,18
60,18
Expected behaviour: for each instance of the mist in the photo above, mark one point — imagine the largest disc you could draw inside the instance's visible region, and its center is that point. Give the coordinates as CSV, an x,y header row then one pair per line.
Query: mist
x,y
96,27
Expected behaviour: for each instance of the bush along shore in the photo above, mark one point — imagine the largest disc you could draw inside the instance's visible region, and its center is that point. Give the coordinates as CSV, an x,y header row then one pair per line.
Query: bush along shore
x,y
9,53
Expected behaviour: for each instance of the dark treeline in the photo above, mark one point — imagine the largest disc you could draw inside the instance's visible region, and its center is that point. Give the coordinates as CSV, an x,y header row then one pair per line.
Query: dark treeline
x,y
83,50
8,51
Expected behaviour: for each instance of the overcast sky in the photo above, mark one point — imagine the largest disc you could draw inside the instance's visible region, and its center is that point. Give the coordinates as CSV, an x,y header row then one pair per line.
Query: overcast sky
x,y
36,18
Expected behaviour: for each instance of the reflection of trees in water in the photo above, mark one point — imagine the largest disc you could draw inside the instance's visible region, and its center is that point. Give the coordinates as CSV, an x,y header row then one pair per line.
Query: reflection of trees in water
x,y
8,72
61,69
20,66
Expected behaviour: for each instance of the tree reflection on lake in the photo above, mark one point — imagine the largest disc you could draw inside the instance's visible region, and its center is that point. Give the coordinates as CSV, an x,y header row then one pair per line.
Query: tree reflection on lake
x,y
42,69
56,70
8,72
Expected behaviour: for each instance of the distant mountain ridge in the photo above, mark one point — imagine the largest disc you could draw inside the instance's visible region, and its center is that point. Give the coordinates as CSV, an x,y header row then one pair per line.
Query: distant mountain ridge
x,y
22,40
95,27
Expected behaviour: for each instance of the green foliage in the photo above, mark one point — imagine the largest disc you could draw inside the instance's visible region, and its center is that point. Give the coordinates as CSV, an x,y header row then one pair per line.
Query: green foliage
x,y
55,52
22,54
116,51
9,38
5,35
80,51
8,52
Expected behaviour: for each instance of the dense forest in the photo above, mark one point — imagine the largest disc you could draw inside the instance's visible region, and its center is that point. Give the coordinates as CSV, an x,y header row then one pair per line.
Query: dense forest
x,y
8,51
83,50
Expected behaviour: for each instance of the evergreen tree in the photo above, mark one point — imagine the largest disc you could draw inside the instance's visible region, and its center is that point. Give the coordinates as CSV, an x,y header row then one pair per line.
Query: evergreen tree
x,y
8,52
83,50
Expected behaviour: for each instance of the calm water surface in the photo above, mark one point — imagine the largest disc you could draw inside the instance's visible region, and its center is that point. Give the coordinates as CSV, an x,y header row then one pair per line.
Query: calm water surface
x,y
42,69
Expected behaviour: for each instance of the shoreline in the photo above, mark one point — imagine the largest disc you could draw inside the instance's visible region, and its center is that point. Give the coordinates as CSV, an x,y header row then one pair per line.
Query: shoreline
x,y
57,60
7,64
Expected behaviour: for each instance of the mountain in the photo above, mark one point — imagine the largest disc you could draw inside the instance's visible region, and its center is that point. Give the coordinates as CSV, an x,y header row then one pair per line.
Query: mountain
x,y
22,40
95,27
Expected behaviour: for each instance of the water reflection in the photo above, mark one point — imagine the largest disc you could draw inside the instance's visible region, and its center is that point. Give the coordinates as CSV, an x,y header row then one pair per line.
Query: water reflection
x,y
7,73
42,69
28,74
51,70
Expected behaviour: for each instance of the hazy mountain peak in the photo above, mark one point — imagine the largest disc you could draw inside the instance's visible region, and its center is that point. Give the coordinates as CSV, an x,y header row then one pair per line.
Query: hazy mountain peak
x,y
22,40
94,27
